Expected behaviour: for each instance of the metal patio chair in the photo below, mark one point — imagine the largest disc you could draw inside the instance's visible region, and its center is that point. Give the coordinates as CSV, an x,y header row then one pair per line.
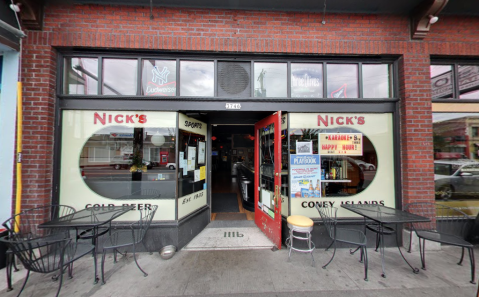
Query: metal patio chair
x,y
24,225
47,254
123,239
447,226
349,236
43,250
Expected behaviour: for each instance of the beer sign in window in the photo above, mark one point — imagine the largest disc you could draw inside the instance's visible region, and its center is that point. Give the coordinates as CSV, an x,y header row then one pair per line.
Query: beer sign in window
x,y
347,144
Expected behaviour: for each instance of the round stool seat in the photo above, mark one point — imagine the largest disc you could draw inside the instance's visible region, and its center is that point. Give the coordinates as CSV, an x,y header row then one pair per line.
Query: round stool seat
x,y
300,221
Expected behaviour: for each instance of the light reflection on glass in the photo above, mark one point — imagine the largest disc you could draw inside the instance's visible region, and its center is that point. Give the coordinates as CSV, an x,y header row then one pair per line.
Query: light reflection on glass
x,y
306,80
376,81
81,76
197,78
468,81
119,76
270,79
342,80
441,81
456,159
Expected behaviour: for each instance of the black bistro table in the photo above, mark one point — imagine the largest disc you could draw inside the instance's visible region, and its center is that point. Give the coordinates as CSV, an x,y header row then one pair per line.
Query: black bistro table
x,y
94,221
384,215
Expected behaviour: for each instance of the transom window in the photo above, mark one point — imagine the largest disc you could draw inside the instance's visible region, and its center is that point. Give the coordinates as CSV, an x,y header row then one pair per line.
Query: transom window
x,y
214,78
455,81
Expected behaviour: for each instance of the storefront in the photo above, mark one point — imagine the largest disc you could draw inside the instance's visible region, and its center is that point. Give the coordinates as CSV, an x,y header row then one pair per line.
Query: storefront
x,y
120,155
121,102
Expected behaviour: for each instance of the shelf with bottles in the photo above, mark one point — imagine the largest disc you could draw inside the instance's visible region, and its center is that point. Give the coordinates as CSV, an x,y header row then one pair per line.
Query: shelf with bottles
x,y
334,169
335,180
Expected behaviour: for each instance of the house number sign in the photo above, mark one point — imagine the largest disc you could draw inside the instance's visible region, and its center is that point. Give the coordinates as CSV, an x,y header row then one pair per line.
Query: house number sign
x,y
233,106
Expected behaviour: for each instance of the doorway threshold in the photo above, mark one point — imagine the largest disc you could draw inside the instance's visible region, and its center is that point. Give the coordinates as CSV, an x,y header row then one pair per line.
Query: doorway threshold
x,y
229,235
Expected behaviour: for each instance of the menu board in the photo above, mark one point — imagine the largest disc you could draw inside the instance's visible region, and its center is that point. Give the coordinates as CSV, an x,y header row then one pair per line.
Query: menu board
x,y
343,144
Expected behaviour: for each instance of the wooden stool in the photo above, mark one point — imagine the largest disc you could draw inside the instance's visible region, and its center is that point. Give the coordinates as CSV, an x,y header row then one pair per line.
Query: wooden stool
x,y
304,225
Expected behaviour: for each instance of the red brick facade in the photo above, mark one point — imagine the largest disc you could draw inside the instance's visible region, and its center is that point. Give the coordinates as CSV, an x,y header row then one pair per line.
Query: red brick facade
x,y
233,31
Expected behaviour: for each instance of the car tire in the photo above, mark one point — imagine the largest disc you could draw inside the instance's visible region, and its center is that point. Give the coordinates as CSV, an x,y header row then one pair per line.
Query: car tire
x,y
371,167
117,166
445,192
171,167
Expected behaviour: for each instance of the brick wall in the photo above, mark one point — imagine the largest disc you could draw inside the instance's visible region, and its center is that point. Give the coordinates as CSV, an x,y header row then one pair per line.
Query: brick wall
x,y
125,27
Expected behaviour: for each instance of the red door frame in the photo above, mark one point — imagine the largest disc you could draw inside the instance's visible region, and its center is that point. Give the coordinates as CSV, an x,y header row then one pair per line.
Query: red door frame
x,y
270,227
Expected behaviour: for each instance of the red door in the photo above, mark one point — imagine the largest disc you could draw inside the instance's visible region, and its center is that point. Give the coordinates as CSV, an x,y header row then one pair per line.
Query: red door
x,y
267,174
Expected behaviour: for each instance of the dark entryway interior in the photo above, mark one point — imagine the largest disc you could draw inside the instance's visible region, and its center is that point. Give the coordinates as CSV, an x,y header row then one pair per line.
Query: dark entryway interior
x,y
232,142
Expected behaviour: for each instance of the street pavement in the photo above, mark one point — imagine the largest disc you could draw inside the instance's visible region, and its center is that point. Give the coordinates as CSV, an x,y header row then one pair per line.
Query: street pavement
x,y
260,272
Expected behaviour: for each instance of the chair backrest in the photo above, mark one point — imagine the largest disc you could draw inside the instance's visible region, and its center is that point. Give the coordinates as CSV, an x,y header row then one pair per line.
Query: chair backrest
x,y
150,193
141,226
328,216
25,224
41,255
444,219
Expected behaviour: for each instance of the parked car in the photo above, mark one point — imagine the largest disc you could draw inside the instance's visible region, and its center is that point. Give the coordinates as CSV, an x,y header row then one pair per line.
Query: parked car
x,y
124,161
171,166
457,178
364,165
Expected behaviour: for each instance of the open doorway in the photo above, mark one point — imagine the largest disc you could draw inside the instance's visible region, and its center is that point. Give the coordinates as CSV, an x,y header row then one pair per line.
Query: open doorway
x,y
232,172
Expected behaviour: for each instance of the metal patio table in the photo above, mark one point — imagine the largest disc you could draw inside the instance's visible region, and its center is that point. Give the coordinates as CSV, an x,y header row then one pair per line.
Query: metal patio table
x,y
96,220
384,215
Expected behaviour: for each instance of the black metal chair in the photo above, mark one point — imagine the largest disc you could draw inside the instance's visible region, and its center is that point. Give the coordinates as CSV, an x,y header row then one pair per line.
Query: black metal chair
x,y
128,238
448,225
43,250
24,225
349,236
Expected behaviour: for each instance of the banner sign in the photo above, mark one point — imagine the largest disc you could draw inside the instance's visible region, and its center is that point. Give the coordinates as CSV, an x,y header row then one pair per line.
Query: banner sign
x,y
344,144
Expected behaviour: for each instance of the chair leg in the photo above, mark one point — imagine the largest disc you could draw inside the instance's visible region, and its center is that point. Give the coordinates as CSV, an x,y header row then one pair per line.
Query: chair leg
x,y
334,253
330,246
136,261
422,252
103,266
462,257
410,241
473,265
10,263
24,283
365,252
61,281
309,246
378,240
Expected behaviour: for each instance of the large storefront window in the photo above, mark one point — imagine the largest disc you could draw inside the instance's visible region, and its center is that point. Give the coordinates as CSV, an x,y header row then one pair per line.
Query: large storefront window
x,y
340,159
456,160
107,159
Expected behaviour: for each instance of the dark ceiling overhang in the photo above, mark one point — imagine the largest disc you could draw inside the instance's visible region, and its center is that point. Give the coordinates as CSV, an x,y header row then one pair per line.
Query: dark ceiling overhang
x,y
458,7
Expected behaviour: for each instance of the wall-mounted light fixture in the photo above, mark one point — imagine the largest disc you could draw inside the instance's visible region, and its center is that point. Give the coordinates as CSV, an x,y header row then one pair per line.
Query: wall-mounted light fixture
x,y
433,19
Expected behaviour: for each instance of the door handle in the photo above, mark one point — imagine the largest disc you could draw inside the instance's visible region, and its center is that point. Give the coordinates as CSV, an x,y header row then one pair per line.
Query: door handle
x,y
276,196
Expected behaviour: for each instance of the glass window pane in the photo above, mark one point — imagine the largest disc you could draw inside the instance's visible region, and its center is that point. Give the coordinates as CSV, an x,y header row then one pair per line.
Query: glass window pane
x,y
468,81
376,81
158,78
441,81
456,159
270,80
80,76
197,78
342,80
119,76
306,80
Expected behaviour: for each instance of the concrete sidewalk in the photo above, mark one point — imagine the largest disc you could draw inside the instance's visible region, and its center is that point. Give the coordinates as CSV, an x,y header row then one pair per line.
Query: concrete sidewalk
x,y
260,273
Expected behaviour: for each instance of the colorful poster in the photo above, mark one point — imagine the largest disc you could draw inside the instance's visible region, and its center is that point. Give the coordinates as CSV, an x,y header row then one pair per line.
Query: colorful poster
x,y
343,144
202,172
305,176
